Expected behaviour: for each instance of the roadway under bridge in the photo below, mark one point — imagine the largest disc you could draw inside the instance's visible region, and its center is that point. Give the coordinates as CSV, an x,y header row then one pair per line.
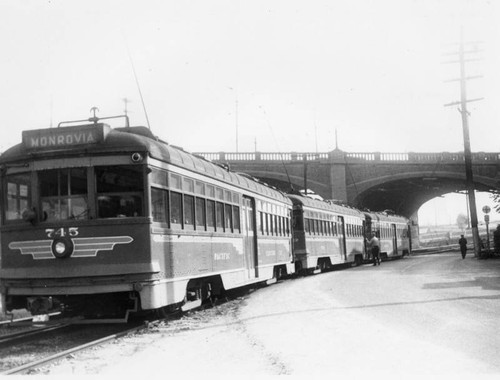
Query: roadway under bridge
x,y
401,182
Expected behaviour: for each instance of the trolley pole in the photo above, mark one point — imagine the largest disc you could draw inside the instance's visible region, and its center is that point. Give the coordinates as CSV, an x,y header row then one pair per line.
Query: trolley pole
x,y
125,103
469,180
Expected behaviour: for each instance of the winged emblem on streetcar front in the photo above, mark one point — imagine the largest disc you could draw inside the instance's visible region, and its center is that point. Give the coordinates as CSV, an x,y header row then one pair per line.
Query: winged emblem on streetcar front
x,y
81,247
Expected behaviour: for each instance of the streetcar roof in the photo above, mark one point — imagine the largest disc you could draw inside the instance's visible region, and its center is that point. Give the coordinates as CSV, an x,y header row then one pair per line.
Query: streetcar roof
x,y
323,205
385,217
133,139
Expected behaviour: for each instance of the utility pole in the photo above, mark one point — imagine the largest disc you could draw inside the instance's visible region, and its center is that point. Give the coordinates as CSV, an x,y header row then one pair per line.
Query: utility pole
x,y
465,126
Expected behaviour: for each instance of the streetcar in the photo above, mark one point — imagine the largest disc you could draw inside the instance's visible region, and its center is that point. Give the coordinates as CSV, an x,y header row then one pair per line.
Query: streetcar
x,y
326,234
108,221
393,232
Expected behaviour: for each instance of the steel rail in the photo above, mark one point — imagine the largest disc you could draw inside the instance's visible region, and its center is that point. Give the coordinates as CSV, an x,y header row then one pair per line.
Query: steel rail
x,y
25,319
38,363
26,334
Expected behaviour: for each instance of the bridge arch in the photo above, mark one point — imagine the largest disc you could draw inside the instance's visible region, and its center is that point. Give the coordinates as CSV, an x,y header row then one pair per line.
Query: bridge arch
x,y
405,193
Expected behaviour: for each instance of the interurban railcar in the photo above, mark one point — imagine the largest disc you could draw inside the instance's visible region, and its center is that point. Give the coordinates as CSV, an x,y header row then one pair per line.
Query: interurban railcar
x,y
105,221
392,231
113,219
326,234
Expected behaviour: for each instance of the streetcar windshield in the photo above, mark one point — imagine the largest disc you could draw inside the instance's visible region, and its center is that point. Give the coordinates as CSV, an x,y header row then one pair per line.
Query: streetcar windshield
x,y
76,193
18,195
63,193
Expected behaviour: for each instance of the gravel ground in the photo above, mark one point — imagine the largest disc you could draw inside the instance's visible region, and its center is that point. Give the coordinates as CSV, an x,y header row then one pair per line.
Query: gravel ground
x,y
315,327
185,346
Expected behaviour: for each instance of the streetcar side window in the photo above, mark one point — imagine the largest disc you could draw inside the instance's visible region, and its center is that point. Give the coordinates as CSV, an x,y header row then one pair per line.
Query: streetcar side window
x,y
236,219
219,213
18,196
159,205
176,208
63,194
120,191
200,213
188,211
210,215
228,218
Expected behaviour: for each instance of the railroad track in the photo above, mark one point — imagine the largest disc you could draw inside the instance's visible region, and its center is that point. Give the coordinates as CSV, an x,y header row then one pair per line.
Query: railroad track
x,y
13,338
22,354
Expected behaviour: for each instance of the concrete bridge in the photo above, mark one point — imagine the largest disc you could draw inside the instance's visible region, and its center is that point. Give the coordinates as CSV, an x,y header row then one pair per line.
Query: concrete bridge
x,y
398,181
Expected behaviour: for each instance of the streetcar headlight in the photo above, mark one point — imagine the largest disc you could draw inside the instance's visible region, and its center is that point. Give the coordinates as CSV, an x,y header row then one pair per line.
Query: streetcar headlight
x,y
62,247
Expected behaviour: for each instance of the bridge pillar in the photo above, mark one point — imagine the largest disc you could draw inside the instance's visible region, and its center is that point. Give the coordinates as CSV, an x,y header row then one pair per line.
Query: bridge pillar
x,y
338,182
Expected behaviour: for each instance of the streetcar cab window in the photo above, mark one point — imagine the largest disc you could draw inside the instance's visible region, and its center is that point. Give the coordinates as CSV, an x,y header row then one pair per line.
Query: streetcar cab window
x,y
18,196
63,194
120,191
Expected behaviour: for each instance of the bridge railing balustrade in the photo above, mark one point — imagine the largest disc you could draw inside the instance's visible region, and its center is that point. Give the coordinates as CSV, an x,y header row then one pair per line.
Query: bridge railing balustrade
x,y
362,156
394,156
410,157
240,156
275,156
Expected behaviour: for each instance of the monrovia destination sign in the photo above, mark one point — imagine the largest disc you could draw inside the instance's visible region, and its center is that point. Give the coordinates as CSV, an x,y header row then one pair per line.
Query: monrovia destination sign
x,y
55,138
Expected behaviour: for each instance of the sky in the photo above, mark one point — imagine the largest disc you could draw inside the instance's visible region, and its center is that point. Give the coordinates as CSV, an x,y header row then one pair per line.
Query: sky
x,y
279,75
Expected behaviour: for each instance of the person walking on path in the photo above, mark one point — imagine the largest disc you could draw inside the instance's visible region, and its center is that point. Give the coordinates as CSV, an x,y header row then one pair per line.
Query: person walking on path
x,y
463,245
375,249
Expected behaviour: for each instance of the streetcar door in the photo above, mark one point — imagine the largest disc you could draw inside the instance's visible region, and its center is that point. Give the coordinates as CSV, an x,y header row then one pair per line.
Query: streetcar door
x,y
343,238
394,239
249,237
